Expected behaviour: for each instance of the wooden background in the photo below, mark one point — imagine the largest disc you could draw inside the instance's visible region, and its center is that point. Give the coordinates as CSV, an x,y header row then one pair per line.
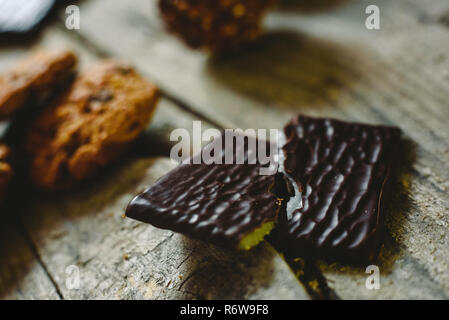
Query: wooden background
x,y
319,61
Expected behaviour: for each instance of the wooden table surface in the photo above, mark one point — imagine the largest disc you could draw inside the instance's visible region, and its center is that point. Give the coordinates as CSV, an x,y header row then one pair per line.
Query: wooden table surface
x,y
320,63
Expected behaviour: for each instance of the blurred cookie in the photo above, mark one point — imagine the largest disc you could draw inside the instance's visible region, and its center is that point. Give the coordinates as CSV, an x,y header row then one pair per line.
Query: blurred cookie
x,y
218,25
5,169
34,79
90,125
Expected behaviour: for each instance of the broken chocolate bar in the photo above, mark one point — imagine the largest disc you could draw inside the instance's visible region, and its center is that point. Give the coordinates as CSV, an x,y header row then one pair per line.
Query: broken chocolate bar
x,y
337,177
341,176
231,205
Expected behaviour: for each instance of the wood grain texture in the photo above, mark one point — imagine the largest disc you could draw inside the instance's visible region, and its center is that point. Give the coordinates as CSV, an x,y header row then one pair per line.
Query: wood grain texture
x,y
22,275
322,64
327,64
120,258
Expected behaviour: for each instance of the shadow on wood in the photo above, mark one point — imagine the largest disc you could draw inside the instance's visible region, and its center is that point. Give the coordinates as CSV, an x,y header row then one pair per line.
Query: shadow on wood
x,y
123,259
289,70
22,275
17,258
314,6
216,273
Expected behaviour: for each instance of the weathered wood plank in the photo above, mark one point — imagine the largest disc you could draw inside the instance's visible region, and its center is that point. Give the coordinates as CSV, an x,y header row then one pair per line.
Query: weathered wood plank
x,y
122,259
22,276
328,65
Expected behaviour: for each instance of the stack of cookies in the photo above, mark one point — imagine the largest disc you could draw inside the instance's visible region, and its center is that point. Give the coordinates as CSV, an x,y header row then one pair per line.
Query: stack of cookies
x,y
76,124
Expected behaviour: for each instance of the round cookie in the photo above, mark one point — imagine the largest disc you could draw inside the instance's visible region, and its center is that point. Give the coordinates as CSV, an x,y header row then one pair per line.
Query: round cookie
x,y
35,79
218,25
90,125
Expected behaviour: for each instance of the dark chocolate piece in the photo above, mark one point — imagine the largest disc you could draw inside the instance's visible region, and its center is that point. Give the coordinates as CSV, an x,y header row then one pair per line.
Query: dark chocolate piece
x,y
223,204
342,174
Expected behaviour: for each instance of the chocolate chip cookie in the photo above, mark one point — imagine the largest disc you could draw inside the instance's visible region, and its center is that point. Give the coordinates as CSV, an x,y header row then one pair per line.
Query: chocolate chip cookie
x,y
216,25
34,79
90,125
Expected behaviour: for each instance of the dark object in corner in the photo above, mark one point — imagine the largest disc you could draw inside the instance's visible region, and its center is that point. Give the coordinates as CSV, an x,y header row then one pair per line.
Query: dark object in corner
x,y
22,16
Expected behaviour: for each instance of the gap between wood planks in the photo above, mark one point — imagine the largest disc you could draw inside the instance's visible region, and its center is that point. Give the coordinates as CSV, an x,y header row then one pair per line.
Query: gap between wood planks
x,y
36,254
40,225
308,273
187,107
376,113
387,86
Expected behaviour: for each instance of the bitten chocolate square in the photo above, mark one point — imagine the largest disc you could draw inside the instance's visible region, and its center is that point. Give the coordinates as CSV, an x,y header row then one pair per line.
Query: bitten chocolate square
x,y
341,173
228,204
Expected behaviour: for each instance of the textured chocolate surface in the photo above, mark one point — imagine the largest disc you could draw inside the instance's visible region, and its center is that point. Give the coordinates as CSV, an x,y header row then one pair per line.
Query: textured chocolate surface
x,y
342,173
217,203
